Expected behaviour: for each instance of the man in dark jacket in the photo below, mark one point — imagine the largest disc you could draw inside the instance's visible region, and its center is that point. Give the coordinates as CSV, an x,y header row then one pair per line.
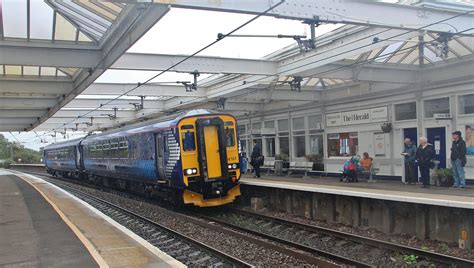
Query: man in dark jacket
x,y
424,155
409,154
256,158
458,160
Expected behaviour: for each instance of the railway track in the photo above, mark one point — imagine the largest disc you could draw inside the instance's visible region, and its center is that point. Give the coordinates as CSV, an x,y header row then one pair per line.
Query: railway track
x,y
138,224
303,236
359,249
185,249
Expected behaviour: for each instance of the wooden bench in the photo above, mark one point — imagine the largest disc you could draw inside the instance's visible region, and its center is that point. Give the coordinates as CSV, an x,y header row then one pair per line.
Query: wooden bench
x,y
300,166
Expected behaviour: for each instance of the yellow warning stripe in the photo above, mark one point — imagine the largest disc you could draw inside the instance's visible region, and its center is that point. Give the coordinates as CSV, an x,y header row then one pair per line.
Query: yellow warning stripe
x,y
92,250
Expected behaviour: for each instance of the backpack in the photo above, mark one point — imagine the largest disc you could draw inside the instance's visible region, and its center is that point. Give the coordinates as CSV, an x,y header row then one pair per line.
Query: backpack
x,y
352,167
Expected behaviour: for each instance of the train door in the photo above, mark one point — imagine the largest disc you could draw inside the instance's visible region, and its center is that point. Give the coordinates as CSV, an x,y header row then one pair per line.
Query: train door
x,y
437,137
160,162
212,150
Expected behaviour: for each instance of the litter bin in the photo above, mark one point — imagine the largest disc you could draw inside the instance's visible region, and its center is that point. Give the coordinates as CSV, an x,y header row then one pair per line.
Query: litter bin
x,y
278,167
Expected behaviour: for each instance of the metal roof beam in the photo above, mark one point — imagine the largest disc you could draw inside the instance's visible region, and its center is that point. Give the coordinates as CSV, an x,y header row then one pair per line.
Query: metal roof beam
x,y
26,103
34,87
370,13
144,90
51,57
74,113
203,64
119,103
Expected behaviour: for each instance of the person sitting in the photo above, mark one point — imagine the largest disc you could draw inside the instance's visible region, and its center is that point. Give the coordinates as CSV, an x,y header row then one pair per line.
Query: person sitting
x,y
366,162
350,170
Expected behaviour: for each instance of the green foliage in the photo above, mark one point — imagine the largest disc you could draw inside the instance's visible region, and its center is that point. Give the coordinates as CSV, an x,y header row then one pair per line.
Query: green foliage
x,y
26,155
283,157
314,158
410,259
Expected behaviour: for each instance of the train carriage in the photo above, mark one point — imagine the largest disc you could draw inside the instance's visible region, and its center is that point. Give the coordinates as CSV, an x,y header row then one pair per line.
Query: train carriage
x,y
63,158
193,157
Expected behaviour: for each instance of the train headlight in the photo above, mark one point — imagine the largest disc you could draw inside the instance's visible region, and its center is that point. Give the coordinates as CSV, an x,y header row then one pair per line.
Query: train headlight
x,y
234,166
229,166
195,171
189,171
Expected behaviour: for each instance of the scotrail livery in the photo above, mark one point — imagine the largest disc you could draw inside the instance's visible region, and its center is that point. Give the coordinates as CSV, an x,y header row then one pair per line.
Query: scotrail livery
x,y
191,159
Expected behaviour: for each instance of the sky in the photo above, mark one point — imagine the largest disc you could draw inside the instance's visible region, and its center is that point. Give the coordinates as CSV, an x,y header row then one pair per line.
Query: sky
x,y
183,32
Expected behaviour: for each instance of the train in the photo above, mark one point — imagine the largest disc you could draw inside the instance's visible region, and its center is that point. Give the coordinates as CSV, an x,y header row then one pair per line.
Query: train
x,y
191,159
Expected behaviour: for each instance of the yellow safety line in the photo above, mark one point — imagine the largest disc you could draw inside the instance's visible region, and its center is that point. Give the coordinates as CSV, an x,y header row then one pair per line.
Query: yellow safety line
x,y
92,250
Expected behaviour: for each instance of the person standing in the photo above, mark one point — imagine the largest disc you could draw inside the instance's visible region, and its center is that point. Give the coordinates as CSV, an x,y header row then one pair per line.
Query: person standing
x,y
256,158
409,154
458,160
424,156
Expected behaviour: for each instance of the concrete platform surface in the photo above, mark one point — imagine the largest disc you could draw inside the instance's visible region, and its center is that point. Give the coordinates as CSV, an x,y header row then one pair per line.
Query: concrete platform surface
x,y
383,190
42,225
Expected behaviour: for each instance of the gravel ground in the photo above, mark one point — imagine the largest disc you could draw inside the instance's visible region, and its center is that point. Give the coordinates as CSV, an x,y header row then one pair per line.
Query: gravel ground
x,y
407,240
244,250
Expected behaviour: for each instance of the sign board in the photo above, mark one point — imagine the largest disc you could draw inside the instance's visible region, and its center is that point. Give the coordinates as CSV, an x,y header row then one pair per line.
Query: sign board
x,y
364,116
379,144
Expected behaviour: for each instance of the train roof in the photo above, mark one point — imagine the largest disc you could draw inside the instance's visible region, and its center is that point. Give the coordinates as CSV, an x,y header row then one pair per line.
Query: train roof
x,y
148,126
63,144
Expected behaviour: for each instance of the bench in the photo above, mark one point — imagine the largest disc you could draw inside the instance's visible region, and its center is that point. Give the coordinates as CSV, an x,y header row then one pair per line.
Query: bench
x,y
300,166
372,172
269,166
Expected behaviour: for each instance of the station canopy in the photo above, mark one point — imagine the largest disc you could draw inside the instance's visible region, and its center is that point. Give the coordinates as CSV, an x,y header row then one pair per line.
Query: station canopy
x,y
54,56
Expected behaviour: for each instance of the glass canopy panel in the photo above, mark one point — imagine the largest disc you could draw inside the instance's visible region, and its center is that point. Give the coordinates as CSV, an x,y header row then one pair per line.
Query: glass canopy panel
x,y
41,20
411,57
14,18
60,73
83,38
388,52
12,70
64,29
458,48
99,9
31,70
113,7
48,71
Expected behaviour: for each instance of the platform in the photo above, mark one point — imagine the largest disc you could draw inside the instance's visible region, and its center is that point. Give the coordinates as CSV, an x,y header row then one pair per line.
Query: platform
x,y
42,225
383,190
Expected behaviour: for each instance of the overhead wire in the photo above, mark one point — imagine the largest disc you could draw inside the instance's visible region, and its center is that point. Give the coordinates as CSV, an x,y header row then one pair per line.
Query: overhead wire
x,y
276,74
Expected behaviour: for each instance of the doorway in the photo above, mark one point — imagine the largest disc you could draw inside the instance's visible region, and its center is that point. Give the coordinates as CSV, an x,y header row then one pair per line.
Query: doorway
x,y
437,137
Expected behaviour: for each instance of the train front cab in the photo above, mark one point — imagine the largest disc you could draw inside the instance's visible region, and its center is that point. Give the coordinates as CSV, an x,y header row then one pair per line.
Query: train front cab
x,y
210,160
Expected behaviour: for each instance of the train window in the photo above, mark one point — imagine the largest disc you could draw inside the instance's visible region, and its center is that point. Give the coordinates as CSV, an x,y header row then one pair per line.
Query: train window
x,y
189,143
187,127
229,137
228,123
123,149
106,150
114,150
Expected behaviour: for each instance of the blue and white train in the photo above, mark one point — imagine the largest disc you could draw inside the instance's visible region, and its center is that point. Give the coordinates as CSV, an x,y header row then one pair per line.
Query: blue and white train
x,y
191,159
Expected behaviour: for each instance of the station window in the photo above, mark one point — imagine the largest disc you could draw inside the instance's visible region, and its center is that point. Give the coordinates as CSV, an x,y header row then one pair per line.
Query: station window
x,y
270,146
241,130
316,145
342,144
299,145
405,111
282,125
189,143
314,121
466,104
256,126
436,106
298,123
269,124
284,146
